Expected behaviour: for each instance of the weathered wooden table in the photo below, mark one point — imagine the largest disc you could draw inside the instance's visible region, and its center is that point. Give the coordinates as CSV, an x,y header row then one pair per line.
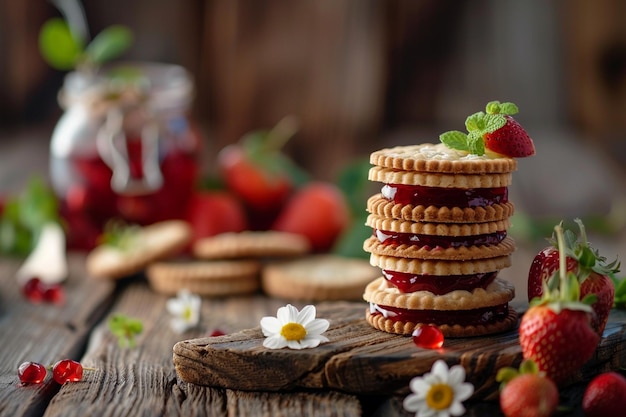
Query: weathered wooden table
x,y
142,381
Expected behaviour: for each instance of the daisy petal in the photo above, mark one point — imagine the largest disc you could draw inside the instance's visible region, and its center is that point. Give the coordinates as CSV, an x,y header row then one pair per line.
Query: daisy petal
x,y
456,375
464,391
317,326
456,409
440,370
270,326
306,315
275,342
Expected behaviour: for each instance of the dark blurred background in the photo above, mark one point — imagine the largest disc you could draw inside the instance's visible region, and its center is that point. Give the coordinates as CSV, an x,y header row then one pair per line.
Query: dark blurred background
x,y
363,74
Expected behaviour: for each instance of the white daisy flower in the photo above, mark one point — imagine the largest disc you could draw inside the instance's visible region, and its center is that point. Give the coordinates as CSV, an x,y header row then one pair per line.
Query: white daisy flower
x,y
185,309
440,392
294,329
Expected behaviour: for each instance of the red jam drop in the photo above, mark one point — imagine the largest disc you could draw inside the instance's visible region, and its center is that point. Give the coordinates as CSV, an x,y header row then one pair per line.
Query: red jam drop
x,y
432,241
217,332
444,197
427,336
438,285
67,370
31,373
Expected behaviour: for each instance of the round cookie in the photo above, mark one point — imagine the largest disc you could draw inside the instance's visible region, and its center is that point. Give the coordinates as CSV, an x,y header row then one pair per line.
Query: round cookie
x,y
151,243
436,229
452,312
318,278
462,253
206,278
380,206
251,244
440,267
430,157
427,179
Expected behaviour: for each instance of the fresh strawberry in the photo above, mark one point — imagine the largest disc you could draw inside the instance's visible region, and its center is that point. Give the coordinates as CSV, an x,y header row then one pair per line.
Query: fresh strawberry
x,y
586,263
212,212
494,132
527,392
256,170
605,396
319,211
555,332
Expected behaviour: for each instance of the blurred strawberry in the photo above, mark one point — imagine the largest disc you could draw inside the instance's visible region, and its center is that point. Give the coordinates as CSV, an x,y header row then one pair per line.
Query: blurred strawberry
x,y
319,211
258,172
605,396
214,212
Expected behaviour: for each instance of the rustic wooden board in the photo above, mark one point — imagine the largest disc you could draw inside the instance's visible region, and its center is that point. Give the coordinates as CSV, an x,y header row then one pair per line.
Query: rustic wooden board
x,y
361,360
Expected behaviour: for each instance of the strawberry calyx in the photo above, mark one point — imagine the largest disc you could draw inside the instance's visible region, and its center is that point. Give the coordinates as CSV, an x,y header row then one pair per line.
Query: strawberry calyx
x,y
478,125
562,290
264,147
589,259
508,373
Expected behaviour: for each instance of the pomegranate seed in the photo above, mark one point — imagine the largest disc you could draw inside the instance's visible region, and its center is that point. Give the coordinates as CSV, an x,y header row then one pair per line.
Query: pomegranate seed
x,y
427,336
31,373
67,370
217,332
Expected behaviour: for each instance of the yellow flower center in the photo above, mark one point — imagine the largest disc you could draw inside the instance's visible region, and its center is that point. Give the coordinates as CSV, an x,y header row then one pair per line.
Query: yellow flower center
x,y
293,331
440,396
187,313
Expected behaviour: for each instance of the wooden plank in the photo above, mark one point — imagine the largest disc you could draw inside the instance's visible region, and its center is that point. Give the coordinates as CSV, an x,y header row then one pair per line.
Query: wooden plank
x,y
361,360
43,333
143,380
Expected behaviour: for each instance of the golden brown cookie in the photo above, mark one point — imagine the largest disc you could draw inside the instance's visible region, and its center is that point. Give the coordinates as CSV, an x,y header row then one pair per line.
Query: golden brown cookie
x,y
318,278
251,244
440,267
151,243
436,229
206,278
430,157
380,322
462,253
381,292
427,179
380,206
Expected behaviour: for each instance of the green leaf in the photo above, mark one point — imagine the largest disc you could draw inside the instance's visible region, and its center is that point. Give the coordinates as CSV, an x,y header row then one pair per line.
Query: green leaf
x,y
493,122
108,44
125,329
476,143
455,140
58,46
508,108
528,366
475,122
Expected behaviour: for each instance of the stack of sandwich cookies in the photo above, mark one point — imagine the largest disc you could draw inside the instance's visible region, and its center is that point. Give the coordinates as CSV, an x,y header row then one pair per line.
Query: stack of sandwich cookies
x,y
440,238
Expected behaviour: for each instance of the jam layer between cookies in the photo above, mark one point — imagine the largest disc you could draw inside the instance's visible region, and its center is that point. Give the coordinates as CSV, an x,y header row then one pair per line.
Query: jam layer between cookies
x,y
445,197
438,285
475,317
432,241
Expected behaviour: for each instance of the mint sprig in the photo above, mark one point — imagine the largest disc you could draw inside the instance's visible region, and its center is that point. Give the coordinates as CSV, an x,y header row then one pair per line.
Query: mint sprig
x,y
125,329
478,125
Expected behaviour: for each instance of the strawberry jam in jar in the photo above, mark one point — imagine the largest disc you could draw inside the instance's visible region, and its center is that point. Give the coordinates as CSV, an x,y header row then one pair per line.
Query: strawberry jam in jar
x,y
125,148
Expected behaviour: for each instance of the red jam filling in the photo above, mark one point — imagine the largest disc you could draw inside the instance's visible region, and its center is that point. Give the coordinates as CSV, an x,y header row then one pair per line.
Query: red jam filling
x,y
444,242
438,285
444,197
478,316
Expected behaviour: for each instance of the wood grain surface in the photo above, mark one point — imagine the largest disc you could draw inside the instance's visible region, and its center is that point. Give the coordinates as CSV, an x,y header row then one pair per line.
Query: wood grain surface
x,y
361,360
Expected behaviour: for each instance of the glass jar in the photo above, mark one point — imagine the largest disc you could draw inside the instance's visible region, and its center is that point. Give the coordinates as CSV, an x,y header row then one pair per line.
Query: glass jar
x,y
124,148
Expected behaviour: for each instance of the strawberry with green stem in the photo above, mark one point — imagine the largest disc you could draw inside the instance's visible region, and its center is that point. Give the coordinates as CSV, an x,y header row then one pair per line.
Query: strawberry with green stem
x,y
592,270
526,391
556,330
494,132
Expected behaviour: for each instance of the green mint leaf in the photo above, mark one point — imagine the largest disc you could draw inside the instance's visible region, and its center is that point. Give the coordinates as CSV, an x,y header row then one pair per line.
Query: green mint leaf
x,y
58,46
476,143
508,108
493,107
455,140
125,329
493,122
109,44
529,366
475,122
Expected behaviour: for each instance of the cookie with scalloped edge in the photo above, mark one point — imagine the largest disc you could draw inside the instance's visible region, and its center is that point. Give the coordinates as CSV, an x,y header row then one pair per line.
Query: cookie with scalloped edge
x,y
451,329
462,253
386,224
440,267
429,179
428,157
379,205
205,278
